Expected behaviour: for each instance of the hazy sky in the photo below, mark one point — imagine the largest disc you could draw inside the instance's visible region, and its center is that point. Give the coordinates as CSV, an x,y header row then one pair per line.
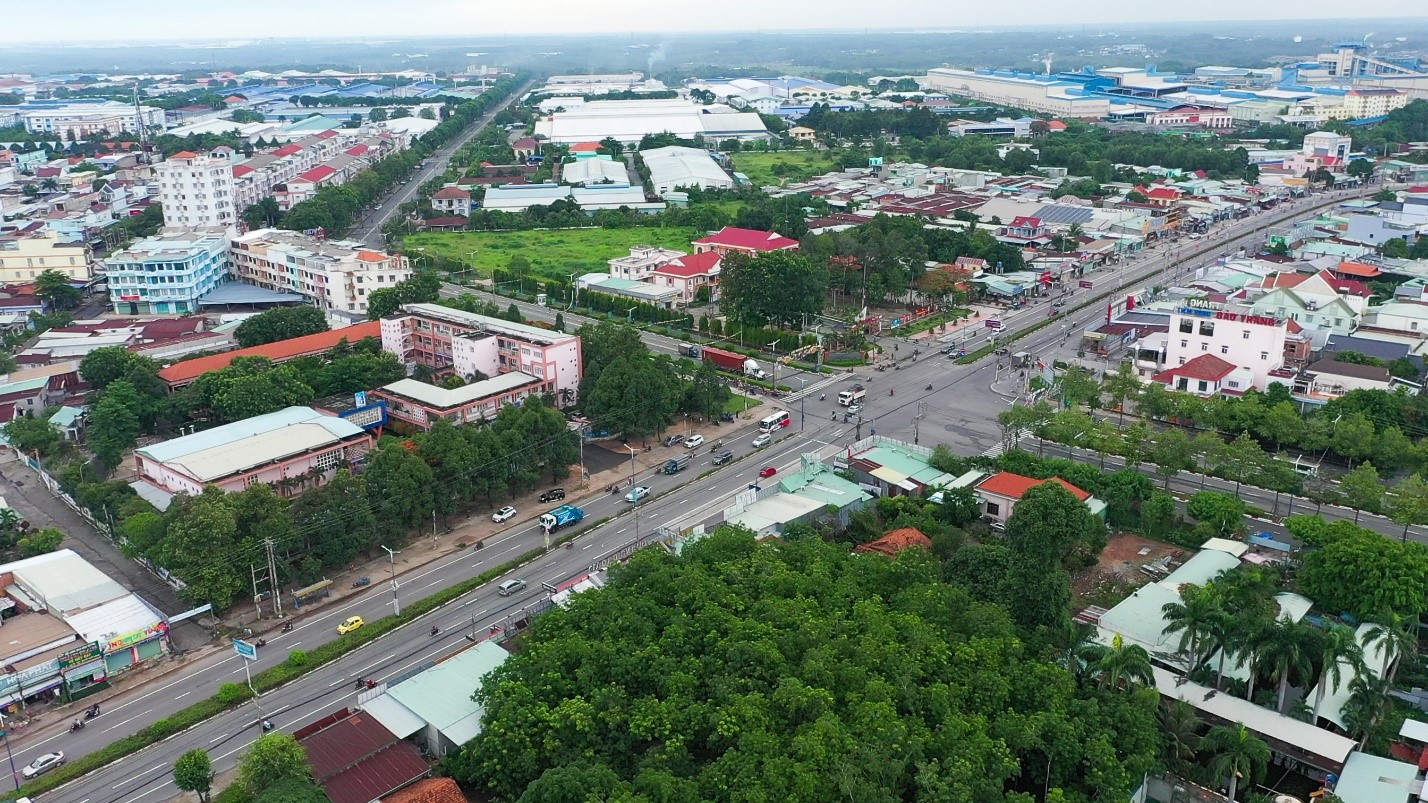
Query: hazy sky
x,y
26,20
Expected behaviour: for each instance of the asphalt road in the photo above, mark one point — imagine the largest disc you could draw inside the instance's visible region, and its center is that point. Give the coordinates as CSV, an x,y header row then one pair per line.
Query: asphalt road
x,y
960,410
368,228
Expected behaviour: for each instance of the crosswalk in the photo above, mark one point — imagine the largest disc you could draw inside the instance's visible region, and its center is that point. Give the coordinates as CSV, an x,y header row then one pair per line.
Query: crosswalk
x,y
1000,447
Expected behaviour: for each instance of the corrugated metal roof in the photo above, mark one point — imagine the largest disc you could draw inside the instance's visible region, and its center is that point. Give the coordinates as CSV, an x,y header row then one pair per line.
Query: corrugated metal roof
x,y
65,581
441,696
394,716
221,451
357,760
444,398
113,619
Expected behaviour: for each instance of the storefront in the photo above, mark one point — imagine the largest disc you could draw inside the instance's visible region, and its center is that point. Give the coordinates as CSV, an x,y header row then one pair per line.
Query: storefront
x,y
125,651
83,668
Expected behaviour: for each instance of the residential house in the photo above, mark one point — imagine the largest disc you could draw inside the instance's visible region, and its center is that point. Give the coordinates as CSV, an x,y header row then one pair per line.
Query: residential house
x,y
1318,300
731,239
999,493
642,262
1328,379
436,707
686,274
802,133
1206,375
525,147
452,200
196,191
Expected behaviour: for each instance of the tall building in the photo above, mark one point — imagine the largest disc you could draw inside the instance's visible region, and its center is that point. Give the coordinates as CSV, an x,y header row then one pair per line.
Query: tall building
x,y
197,191
23,259
168,273
337,275
465,343
87,117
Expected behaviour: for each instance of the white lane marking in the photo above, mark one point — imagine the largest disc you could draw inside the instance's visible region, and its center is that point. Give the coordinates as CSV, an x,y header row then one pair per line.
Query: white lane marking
x,y
140,775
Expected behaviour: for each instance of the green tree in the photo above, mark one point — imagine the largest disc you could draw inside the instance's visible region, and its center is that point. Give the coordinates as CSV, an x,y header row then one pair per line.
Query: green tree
x,y
200,542
1079,386
30,435
40,542
959,507
1362,489
1224,513
1180,726
778,287
114,423
1047,526
1287,648
1338,650
1172,453
1353,569
1408,502
275,757
377,115
110,363
1122,387
282,323
1394,637
193,772
266,213
1194,618
635,396
1121,664
54,288
706,394
1237,754
400,486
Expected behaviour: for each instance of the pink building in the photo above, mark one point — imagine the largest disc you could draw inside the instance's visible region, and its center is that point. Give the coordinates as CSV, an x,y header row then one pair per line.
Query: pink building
x,y
420,404
689,273
464,343
291,449
731,239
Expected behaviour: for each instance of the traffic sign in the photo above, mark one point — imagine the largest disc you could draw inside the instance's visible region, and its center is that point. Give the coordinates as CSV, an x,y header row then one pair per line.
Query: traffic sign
x,y
245,650
1086,284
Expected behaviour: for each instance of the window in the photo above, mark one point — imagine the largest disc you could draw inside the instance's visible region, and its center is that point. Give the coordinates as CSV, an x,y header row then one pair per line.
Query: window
x,y
1204,346
1184,344
1204,386
1182,360
1224,349
1207,329
994,509
1186,326
1264,355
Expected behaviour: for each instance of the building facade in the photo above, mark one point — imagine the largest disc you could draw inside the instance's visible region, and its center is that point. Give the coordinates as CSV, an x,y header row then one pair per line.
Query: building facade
x,y
197,190
1233,335
338,276
166,274
82,120
465,343
23,259
421,404
642,262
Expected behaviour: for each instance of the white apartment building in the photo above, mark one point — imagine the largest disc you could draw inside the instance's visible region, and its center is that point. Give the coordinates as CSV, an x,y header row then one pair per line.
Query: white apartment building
x,y
168,273
1230,334
449,339
196,191
337,275
641,262
23,259
83,120
1373,102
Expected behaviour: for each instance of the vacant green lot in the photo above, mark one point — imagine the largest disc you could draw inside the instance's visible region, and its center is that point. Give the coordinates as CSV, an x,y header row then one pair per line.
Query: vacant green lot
x,y
765,169
554,253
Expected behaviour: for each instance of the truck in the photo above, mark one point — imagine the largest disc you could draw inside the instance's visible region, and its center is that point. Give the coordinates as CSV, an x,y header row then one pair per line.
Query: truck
x,y
737,363
851,397
689,350
676,464
560,517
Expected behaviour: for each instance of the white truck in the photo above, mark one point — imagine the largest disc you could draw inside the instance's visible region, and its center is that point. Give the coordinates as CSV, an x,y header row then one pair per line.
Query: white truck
x,y
751,368
850,397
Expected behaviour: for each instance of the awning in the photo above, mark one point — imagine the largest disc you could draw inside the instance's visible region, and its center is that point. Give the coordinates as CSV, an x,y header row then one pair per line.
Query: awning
x,y
394,716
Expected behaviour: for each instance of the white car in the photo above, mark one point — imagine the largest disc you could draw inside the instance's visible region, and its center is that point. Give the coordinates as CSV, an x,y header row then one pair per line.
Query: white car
x,y
503,514
637,493
693,440
43,764
763,440
854,409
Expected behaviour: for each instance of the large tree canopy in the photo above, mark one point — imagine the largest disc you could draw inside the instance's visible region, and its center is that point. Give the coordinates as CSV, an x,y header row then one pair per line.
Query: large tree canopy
x,y
794,672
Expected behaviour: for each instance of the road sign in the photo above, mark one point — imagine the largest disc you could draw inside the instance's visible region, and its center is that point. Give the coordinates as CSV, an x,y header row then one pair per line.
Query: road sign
x,y
993,323
245,650
1085,284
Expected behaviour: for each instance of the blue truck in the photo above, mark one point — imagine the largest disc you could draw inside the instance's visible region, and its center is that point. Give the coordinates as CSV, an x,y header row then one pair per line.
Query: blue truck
x,y
560,517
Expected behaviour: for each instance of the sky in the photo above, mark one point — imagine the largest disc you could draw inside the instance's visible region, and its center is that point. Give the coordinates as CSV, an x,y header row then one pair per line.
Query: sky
x,y
174,20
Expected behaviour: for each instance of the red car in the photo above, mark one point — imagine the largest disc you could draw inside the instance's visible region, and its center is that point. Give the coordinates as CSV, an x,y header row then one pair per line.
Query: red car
x,y
767,471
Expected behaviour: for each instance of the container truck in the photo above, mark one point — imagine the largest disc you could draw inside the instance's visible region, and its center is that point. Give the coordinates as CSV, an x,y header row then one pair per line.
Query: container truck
x,y
675,465
689,350
737,363
560,517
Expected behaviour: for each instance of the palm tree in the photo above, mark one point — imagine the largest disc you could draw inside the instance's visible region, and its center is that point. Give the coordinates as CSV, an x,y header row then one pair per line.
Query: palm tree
x,y
1180,724
1194,618
1338,646
1121,664
1287,647
1238,754
1367,697
1393,637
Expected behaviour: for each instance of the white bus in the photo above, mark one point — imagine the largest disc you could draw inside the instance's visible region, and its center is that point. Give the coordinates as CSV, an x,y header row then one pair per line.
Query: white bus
x,y
775,421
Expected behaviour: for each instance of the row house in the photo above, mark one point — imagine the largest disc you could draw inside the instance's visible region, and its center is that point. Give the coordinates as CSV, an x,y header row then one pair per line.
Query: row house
x,y
1319,300
337,276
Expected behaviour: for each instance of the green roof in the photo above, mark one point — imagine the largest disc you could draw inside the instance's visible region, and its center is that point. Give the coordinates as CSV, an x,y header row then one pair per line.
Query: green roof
x,y
442,694
819,482
66,416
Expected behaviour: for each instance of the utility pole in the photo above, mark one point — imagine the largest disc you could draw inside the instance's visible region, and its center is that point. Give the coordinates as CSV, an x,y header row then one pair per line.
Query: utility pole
x,y
273,577
917,422
632,492
858,433
392,557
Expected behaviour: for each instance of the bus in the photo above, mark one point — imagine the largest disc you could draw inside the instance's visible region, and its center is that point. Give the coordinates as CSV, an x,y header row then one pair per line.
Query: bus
x,y
775,421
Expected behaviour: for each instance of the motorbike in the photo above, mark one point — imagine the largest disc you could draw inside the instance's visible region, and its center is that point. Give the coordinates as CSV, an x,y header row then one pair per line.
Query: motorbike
x,y
929,387
822,396
569,544
892,391
288,627
268,725
92,711
77,726
262,642
360,581
480,544
435,630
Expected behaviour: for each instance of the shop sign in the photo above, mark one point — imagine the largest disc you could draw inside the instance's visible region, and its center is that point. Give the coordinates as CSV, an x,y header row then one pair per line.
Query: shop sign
x,y
137,636
79,656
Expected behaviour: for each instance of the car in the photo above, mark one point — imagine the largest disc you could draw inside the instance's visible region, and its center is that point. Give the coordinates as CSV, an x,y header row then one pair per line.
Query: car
x,y
552,495
854,409
670,440
722,458
637,493
693,441
503,514
352,623
763,440
767,471
510,587
43,764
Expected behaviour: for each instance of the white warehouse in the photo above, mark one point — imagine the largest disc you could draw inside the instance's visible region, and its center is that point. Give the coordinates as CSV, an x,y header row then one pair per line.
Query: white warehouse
x,y
629,121
675,166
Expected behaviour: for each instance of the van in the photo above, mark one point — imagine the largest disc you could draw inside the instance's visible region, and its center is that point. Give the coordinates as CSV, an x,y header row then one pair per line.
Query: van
x,y
723,457
510,587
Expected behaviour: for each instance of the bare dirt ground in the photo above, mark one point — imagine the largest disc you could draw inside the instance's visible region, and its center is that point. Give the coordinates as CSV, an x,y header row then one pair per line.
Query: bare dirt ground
x,y
1117,573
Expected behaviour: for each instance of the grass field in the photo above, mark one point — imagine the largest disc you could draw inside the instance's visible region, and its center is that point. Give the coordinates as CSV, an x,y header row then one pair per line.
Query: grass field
x,y
798,165
554,253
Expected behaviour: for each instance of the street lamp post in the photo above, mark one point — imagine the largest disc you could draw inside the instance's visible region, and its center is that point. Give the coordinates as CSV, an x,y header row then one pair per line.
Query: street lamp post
x,y
632,492
5,734
392,557
802,386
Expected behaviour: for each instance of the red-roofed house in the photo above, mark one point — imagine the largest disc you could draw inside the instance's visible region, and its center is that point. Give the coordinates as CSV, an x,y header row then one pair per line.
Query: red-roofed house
x,y
1024,230
731,239
1319,300
287,150
1357,270
896,541
357,760
184,373
1055,125
1160,196
526,147
428,790
452,200
689,273
1000,492
1206,375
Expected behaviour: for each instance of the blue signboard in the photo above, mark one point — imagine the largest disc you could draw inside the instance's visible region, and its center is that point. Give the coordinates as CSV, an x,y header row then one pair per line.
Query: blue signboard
x,y
245,650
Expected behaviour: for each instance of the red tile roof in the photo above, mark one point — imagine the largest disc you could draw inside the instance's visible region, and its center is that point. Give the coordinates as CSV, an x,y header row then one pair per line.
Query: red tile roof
x,y
366,255
1014,486
1281,279
1024,221
451,220
317,173
526,143
585,147
896,541
328,134
357,150
748,239
691,265
450,193
429,790
189,370
1358,269
288,150
1206,366
184,155
1055,125
240,171
357,760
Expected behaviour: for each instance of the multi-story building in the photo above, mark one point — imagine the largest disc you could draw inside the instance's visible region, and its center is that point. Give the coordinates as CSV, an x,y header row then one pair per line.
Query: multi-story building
x,y
1234,336
1318,300
292,449
23,259
337,275
689,273
464,343
82,119
421,403
642,262
196,191
169,272
452,200
1373,102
